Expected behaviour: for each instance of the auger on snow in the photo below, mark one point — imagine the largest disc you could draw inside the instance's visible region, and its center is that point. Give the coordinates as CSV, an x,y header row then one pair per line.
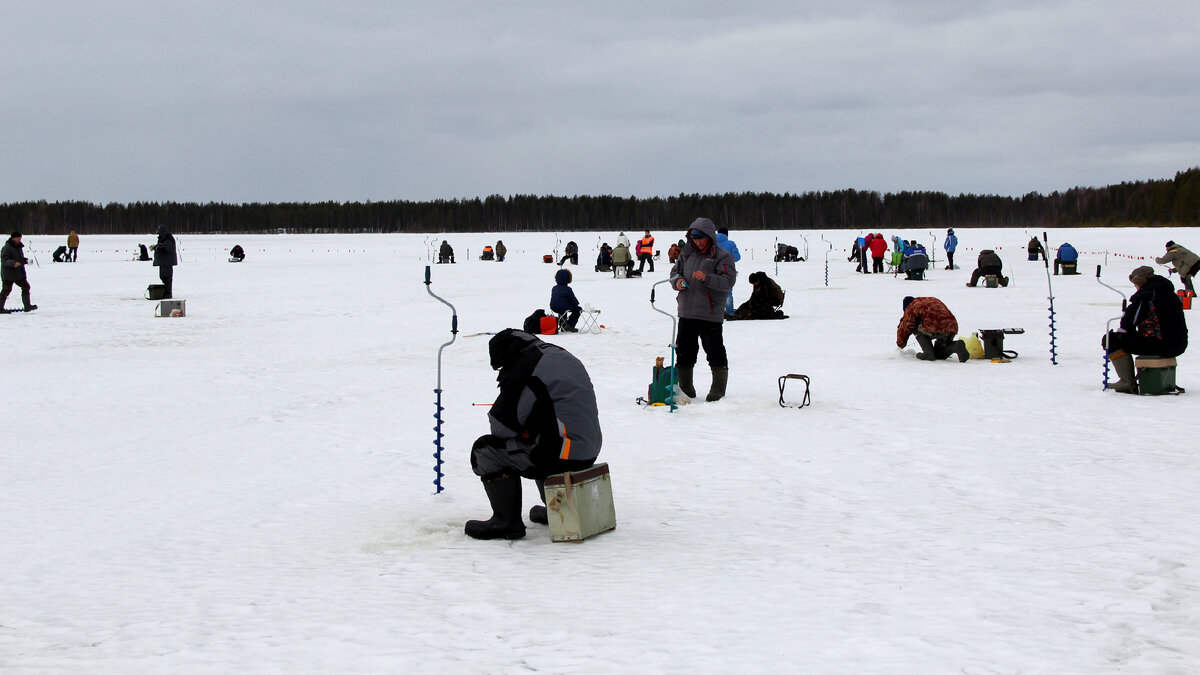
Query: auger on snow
x,y
830,245
437,415
1108,325
1050,289
674,374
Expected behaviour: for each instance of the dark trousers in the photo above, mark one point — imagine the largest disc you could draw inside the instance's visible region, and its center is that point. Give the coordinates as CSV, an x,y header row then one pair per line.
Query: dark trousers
x,y
23,285
166,273
877,264
73,253
985,271
492,455
643,259
949,260
936,346
696,332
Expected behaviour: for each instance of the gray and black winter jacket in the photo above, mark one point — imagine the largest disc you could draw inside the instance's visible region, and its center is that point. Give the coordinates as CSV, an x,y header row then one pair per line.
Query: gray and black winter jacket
x,y
704,300
547,406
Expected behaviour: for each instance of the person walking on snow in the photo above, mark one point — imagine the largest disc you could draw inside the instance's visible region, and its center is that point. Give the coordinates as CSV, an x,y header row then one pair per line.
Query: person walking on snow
x,y
703,275
12,272
951,244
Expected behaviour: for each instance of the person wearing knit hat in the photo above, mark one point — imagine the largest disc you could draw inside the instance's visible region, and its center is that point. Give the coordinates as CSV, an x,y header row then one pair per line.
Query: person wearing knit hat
x,y
934,327
1185,262
12,272
1153,323
950,245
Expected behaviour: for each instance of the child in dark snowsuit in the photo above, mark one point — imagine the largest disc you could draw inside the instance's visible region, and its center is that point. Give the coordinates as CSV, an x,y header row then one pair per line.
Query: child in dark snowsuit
x,y
563,301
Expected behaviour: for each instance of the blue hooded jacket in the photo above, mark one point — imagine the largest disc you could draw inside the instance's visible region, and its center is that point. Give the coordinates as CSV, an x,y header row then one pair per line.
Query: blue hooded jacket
x,y
726,243
562,298
1067,253
951,241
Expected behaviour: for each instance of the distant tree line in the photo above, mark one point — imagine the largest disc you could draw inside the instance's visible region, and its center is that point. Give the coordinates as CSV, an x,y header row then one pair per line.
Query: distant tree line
x,y
1142,204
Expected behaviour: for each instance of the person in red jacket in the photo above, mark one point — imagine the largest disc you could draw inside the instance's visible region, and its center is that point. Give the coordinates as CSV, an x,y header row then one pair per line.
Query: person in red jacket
x,y
879,247
934,327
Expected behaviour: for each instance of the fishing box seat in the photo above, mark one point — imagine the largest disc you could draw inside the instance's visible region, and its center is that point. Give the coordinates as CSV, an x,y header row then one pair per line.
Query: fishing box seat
x,y
1156,375
579,504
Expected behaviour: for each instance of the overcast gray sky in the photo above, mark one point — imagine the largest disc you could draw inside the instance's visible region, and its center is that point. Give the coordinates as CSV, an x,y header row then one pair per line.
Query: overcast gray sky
x,y
288,100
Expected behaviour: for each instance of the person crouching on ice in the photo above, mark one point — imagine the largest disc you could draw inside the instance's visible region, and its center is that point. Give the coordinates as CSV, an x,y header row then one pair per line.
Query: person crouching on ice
x,y
934,327
543,422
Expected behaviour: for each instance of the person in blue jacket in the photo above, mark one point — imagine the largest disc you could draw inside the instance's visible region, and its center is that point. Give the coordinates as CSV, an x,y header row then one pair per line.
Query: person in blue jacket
x,y
950,245
1066,254
563,300
726,243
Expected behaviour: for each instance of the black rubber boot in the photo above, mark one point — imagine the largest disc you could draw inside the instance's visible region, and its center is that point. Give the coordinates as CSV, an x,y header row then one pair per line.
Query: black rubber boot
x,y
504,493
537,514
960,348
686,385
928,351
720,378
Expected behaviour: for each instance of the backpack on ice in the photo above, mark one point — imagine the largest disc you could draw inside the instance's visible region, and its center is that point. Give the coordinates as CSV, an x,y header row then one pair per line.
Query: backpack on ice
x,y
533,322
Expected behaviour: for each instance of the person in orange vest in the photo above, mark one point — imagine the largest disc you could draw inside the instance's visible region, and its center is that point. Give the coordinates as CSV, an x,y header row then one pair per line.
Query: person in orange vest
x,y
646,252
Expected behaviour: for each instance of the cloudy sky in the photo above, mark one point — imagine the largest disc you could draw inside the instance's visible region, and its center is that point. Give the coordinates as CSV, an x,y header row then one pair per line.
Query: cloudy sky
x,y
294,100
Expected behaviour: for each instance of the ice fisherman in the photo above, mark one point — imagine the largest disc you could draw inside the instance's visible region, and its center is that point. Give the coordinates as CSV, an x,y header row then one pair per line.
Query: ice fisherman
x,y
563,301
1153,323
12,272
544,421
165,259
703,275
1185,262
934,326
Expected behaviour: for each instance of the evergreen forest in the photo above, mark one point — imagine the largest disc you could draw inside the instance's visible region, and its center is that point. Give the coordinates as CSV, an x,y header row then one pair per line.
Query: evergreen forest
x,y
1167,202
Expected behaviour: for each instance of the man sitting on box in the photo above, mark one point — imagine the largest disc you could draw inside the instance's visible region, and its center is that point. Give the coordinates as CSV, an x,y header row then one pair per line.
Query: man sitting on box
x,y
1152,324
544,421
1066,254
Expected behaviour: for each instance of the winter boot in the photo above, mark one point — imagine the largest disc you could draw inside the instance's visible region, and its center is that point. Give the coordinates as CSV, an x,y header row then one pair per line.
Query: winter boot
x,y
537,514
30,308
928,351
686,385
1123,363
960,348
720,379
504,493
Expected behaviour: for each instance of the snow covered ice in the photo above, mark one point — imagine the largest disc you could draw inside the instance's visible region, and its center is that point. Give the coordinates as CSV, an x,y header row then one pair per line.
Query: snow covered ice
x,y
250,487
